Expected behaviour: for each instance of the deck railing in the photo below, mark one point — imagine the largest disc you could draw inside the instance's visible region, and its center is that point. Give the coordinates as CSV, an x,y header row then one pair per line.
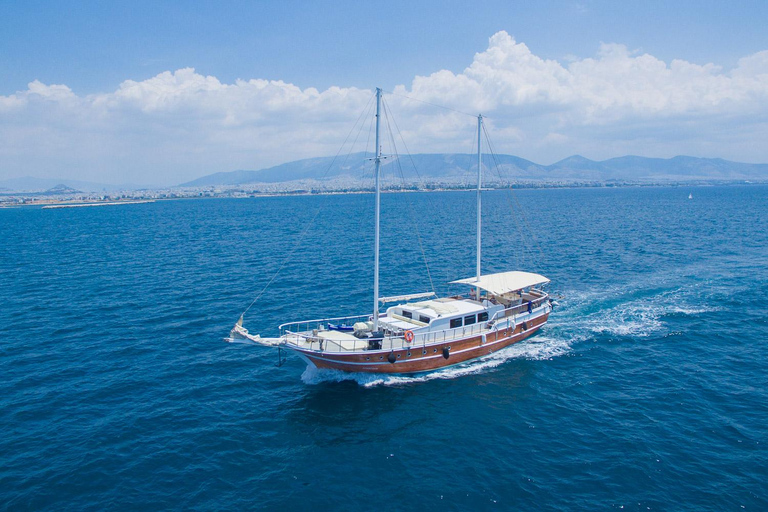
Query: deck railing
x,y
308,330
321,324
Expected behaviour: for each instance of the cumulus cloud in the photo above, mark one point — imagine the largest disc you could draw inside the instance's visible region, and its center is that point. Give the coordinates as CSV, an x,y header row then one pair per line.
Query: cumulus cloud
x,y
182,124
604,89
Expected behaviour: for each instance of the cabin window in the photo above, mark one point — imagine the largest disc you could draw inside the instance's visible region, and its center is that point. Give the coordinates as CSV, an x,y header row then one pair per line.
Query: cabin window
x,y
423,319
455,322
469,320
482,317
407,314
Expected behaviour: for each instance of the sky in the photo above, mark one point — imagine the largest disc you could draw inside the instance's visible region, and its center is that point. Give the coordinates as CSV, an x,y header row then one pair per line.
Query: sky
x,y
158,93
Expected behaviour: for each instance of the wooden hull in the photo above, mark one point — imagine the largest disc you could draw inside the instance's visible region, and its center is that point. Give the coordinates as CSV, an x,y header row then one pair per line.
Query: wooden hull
x,y
421,358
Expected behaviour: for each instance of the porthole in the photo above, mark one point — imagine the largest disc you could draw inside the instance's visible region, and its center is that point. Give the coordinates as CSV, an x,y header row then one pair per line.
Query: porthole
x,y
409,354
434,350
398,355
381,358
367,358
424,352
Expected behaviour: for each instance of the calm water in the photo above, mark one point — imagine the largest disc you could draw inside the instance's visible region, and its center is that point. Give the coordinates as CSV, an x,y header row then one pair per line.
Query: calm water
x,y
648,389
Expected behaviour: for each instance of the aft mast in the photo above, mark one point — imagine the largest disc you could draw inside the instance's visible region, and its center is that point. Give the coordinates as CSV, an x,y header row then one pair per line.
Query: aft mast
x,y
377,161
479,201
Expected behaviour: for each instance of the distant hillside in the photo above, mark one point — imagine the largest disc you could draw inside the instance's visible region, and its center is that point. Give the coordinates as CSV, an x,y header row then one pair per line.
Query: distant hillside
x,y
452,167
638,168
61,189
30,184
424,166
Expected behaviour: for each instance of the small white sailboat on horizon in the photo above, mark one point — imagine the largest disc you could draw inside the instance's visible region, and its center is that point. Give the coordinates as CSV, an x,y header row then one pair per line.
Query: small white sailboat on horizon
x,y
420,332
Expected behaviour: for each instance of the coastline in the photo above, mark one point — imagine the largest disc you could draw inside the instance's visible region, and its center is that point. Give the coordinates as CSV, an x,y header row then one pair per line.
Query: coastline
x,y
34,199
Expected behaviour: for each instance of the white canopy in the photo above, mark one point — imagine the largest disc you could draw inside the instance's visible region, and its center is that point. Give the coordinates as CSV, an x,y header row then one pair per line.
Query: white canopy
x,y
504,282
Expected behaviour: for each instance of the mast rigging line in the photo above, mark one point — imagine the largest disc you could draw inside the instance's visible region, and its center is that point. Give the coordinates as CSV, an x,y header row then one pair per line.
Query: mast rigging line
x,y
387,116
365,110
473,116
513,197
432,104
470,155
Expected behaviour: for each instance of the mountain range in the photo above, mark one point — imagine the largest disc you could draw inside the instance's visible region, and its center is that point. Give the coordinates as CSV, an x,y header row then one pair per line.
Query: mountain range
x,y
356,171
499,168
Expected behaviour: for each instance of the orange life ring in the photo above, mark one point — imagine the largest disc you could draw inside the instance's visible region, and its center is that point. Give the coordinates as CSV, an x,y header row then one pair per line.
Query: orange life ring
x,y
408,336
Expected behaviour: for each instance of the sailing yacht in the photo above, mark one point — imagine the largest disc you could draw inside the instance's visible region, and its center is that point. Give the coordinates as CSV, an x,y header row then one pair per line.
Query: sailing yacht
x,y
420,332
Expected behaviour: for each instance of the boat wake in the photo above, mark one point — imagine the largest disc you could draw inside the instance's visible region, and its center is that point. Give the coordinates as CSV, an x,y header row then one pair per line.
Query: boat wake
x,y
629,312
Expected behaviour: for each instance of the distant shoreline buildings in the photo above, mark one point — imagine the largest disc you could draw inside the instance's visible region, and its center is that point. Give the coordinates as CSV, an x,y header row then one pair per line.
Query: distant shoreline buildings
x,y
68,196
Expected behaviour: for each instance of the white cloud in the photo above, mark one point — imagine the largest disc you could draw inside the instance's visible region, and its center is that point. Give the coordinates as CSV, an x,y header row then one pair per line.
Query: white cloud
x,y
611,87
37,92
179,125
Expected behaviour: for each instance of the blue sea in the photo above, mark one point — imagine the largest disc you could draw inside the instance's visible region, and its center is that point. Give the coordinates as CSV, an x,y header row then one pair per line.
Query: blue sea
x,y
647,389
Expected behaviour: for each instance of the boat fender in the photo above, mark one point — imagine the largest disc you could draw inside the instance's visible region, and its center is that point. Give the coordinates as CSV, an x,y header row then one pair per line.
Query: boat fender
x,y
446,352
391,358
525,326
408,336
482,342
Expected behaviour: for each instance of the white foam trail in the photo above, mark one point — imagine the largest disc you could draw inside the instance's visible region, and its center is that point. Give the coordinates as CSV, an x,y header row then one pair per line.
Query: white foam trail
x,y
631,319
691,311
635,317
